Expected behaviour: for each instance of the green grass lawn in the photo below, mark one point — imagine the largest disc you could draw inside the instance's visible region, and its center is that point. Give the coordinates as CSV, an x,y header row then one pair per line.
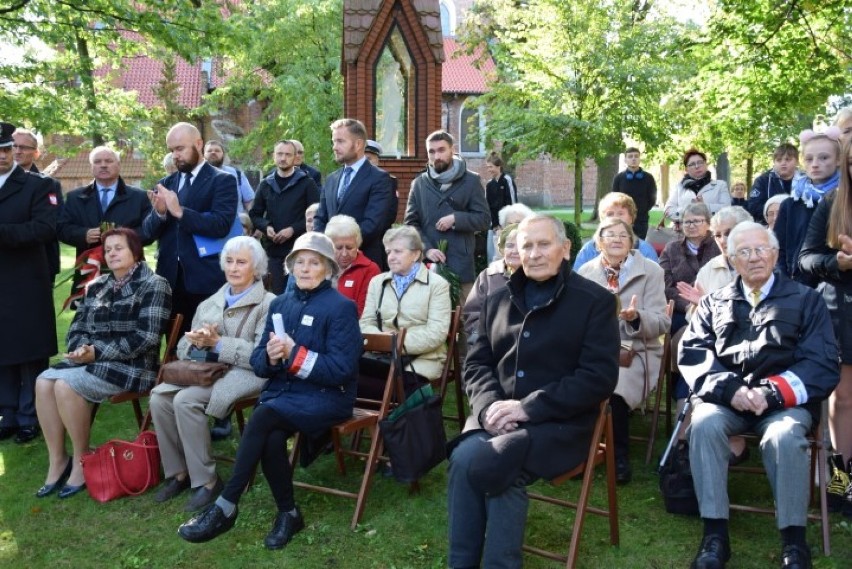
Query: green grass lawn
x,y
397,530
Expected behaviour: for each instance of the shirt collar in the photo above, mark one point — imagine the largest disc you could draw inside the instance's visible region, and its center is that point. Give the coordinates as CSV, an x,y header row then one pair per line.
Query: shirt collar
x,y
357,165
764,290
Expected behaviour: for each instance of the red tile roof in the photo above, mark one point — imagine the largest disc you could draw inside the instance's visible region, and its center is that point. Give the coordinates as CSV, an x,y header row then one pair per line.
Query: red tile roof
x,y
460,74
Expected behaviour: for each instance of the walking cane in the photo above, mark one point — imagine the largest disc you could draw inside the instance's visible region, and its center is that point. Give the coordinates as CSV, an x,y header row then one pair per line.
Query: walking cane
x,y
680,419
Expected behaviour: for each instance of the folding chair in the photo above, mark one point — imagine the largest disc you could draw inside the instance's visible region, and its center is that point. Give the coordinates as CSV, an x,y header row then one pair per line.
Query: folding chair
x,y
600,451
365,418
663,380
134,397
452,369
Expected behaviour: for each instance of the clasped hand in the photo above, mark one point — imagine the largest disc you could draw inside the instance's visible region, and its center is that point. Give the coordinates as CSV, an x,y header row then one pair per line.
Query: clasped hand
x,y
85,354
749,400
503,417
278,348
844,256
205,337
164,200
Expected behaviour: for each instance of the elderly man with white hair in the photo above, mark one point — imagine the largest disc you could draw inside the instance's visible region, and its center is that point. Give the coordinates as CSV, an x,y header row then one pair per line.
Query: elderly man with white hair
x,y
759,355
106,199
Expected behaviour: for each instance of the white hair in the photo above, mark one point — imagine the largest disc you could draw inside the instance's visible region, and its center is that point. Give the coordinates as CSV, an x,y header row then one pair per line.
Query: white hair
x,y
244,242
776,199
517,208
733,213
748,226
98,149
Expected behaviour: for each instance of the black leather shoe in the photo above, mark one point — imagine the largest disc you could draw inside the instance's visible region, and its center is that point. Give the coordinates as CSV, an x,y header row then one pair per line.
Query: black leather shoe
x,y
26,434
171,488
7,432
49,489
68,491
207,525
283,529
795,557
714,552
623,472
202,497
222,429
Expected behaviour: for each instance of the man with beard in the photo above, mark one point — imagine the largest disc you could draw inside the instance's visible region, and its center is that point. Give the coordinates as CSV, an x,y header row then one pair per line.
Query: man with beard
x,y
447,203
197,200
28,207
279,208
26,152
106,199
359,189
214,153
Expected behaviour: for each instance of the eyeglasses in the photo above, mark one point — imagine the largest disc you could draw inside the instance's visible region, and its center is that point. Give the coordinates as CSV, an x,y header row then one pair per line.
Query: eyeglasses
x,y
691,222
615,236
696,164
760,252
22,147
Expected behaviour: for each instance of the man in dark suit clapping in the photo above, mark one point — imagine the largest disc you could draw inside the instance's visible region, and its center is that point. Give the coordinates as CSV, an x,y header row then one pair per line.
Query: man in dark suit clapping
x,y
197,200
359,189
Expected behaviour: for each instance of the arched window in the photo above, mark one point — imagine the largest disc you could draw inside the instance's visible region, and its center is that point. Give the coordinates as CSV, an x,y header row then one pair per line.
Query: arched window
x,y
472,128
395,78
448,17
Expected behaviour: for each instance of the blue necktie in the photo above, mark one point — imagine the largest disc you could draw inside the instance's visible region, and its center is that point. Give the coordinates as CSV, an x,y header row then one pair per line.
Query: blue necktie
x,y
105,198
347,174
187,178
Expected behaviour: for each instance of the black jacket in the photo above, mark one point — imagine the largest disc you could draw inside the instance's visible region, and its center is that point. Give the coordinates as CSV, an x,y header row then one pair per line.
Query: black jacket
x,y
765,186
283,207
498,195
82,211
560,360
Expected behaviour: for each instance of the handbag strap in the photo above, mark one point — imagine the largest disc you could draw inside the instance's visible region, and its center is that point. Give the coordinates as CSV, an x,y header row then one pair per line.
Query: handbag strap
x,y
243,322
149,478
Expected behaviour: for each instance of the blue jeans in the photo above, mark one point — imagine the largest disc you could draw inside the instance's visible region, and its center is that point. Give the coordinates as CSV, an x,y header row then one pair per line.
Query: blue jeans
x,y
783,447
484,529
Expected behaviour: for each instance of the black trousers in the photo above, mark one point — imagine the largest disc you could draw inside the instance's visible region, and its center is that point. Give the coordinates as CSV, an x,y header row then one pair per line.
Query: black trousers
x,y
17,393
264,441
184,302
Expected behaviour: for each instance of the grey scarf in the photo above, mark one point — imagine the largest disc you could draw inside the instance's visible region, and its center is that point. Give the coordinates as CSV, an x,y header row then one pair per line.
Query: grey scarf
x,y
448,176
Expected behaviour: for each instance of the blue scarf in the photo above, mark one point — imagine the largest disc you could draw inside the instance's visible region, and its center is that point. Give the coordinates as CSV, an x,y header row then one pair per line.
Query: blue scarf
x,y
804,190
232,298
400,283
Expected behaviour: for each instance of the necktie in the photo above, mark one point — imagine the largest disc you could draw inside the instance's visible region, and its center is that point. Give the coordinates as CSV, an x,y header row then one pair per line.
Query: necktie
x,y
347,174
187,178
755,297
105,198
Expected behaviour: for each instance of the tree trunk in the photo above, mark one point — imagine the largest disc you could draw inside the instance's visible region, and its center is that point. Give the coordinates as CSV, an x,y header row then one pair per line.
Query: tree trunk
x,y
578,189
723,168
749,171
607,169
87,81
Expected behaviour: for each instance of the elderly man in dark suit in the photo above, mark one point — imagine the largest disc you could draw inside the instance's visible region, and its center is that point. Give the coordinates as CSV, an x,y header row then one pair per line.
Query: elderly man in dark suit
x,y
545,357
359,189
28,208
106,199
197,201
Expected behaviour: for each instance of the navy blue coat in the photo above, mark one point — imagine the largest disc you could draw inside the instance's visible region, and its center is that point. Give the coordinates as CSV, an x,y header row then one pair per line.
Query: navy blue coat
x,y
209,209
791,226
82,211
370,199
729,345
765,186
315,388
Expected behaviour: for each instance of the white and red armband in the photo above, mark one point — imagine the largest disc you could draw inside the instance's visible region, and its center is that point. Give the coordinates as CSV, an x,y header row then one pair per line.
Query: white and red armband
x,y
791,388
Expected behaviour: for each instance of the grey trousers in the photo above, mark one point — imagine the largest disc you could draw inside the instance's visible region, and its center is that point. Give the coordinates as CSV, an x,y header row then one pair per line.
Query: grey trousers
x,y
482,528
783,447
183,434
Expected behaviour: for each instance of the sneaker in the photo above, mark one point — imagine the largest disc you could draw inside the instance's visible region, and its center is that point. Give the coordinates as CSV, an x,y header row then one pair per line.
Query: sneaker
x,y
838,483
846,509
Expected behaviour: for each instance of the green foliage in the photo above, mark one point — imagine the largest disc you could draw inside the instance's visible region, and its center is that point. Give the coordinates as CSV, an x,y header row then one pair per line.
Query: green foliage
x,y
573,78
285,54
71,50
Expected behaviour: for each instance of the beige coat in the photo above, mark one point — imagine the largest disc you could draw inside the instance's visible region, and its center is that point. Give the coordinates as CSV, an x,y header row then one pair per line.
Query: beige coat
x,y
424,311
713,276
645,280
240,381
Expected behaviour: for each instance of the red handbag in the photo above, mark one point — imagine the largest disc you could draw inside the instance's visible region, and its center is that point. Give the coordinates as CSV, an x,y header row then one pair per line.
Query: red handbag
x,y
120,468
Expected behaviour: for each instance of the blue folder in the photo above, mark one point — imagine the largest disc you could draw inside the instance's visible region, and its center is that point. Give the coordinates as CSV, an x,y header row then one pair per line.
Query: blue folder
x,y
213,245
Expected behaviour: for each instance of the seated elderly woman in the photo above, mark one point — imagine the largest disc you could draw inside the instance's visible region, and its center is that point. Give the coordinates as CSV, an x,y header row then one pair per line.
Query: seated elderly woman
x,y
113,347
642,319
493,278
409,296
356,269
309,351
226,327
621,206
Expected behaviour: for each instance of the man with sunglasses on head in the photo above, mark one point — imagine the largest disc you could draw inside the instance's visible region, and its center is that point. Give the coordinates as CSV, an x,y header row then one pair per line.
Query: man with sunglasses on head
x,y
760,356
639,185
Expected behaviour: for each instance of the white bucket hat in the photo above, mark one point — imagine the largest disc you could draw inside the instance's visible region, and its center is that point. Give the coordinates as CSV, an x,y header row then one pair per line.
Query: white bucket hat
x,y
316,242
